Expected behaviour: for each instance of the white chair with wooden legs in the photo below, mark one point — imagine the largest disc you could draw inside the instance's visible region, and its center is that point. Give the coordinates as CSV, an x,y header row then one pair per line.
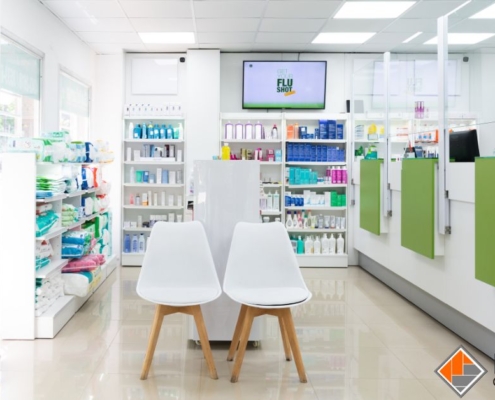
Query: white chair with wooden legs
x,y
178,275
263,275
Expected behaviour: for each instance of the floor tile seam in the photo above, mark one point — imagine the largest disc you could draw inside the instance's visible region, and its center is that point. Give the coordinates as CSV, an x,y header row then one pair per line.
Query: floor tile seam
x,y
423,348
367,325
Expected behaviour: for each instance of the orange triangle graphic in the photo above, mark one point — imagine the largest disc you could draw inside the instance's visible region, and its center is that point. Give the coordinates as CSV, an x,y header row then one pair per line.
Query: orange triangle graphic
x,y
446,371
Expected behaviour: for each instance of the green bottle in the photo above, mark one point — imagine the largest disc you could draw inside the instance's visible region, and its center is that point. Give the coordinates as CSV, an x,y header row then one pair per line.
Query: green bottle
x,y
300,246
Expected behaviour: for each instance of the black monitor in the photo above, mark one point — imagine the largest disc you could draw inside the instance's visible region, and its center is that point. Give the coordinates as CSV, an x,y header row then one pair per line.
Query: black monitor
x,y
464,146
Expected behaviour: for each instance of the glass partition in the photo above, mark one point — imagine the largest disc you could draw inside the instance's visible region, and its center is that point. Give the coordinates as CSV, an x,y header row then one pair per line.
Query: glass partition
x,y
74,98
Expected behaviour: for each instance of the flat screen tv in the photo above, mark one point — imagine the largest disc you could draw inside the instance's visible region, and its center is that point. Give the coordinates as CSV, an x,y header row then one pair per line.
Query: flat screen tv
x,y
294,85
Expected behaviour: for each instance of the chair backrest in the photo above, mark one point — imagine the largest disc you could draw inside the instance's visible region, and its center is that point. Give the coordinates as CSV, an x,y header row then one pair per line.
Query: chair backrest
x,y
178,255
261,256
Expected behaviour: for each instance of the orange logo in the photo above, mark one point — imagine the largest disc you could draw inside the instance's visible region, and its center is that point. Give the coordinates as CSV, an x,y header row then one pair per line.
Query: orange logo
x,y
461,371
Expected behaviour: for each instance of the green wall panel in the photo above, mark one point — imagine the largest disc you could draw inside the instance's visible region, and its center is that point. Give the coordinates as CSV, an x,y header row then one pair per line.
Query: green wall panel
x,y
418,206
485,220
369,194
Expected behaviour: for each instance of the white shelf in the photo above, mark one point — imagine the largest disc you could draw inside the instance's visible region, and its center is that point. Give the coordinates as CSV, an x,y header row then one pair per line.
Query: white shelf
x,y
153,163
81,192
251,116
54,267
137,230
317,141
152,141
270,212
154,185
132,259
229,141
154,118
322,260
64,196
134,207
52,234
315,163
315,208
53,319
314,116
52,199
270,163
326,230
323,186
271,185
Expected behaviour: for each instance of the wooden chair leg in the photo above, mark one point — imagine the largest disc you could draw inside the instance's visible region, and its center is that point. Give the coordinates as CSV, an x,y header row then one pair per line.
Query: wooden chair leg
x,y
237,333
155,332
285,339
246,330
294,344
205,343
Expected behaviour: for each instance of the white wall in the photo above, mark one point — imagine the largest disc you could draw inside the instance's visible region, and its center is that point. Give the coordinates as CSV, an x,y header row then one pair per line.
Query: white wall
x,y
34,24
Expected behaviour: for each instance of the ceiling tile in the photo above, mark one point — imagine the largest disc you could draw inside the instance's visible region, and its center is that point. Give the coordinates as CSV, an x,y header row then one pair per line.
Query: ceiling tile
x,y
274,37
162,24
170,48
471,8
99,24
413,48
301,9
227,46
86,9
220,37
117,48
474,26
413,25
356,25
229,9
333,48
431,9
291,25
278,48
227,25
157,9
374,48
110,37
390,38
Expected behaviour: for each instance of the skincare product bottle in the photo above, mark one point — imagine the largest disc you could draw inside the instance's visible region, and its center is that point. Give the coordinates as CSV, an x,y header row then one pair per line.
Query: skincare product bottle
x,y
134,244
144,134
269,203
308,245
300,222
288,221
276,201
306,223
248,131
130,133
300,246
131,199
138,200
137,132
258,130
170,132
239,131
340,244
127,243
181,131
141,243
325,244
163,132
317,245
225,152
274,132
156,132
132,175
332,243
229,131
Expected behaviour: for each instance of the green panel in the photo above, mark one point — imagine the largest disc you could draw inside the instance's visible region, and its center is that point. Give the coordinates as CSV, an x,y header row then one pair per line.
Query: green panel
x,y
418,206
369,194
485,220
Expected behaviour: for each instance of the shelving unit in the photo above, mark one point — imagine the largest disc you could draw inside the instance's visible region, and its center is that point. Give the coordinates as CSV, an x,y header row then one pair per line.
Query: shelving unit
x,y
131,212
17,253
273,173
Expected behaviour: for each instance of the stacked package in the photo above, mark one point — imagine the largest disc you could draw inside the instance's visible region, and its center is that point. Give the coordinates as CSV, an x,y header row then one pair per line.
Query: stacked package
x,y
100,227
46,219
44,251
70,215
49,186
76,244
82,276
47,292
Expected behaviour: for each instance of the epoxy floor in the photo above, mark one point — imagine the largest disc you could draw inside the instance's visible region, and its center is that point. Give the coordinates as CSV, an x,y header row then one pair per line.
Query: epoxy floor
x,y
359,339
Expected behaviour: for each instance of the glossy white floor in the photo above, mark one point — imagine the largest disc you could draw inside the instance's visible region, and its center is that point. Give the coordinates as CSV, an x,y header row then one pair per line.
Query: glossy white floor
x,y
359,339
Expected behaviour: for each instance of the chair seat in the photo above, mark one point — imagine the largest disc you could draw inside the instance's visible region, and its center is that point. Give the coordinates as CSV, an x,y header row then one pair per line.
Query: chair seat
x,y
186,296
270,297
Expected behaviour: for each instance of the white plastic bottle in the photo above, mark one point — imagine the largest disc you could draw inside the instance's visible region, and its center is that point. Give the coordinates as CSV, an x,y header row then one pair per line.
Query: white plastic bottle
x,y
332,243
276,201
274,132
132,175
317,245
288,221
308,245
269,201
130,133
325,244
340,244
181,131
142,243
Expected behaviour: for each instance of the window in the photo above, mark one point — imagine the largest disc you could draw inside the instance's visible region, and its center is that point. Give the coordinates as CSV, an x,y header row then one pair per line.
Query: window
x,y
74,107
20,76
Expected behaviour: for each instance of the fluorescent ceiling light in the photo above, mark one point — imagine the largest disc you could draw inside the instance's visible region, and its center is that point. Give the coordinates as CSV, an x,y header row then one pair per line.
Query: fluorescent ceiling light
x,y
167,37
458,8
373,9
412,37
487,13
464,38
343,37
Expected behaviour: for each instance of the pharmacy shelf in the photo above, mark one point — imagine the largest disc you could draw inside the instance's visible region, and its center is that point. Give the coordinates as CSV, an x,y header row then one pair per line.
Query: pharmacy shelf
x,y
137,229
273,163
153,163
252,116
154,185
314,117
318,141
271,185
51,269
132,259
64,196
81,192
154,118
315,208
322,163
234,141
52,234
270,212
329,230
322,186
52,199
322,260
134,207
153,141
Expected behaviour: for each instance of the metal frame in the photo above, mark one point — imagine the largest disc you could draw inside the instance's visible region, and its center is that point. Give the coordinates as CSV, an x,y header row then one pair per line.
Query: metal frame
x,y
386,192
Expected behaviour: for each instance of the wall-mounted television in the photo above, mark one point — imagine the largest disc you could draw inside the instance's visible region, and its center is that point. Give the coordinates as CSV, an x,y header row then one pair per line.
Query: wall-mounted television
x,y
284,85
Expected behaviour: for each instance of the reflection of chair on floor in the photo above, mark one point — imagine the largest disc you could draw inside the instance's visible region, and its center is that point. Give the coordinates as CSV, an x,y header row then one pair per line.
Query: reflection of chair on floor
x,y
263,275
178,279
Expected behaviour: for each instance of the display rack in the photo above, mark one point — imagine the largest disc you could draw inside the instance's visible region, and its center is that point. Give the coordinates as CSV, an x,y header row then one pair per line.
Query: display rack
x,y
132,212
17,255
273,174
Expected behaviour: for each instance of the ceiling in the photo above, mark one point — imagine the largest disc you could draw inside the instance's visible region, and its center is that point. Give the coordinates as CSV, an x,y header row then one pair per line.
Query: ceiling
x,y
111,26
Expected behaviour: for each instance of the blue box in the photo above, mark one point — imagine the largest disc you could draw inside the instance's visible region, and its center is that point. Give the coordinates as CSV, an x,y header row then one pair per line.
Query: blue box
x,y
313,153
303,130
323,125
165,176
317,133
340,131
332,129
289,152
307,153
146,176
278,155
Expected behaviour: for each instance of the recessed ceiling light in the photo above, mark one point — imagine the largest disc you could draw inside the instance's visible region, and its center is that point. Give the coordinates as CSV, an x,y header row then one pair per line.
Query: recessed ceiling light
x,y
167,37
412,37
373,9
343,37
487,13
464,38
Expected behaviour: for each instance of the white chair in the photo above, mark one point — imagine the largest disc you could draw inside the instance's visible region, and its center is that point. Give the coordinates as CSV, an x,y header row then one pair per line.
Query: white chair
x,y
263,275
178,274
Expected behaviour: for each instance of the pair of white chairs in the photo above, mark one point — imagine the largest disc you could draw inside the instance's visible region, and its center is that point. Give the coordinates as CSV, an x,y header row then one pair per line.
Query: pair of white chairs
x,y
178,275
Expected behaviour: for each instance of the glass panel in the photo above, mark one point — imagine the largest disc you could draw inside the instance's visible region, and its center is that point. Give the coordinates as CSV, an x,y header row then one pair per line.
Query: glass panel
x,y
19,90
74,107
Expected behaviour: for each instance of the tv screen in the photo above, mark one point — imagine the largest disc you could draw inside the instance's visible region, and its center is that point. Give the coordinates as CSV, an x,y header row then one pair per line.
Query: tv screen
x,y
284,85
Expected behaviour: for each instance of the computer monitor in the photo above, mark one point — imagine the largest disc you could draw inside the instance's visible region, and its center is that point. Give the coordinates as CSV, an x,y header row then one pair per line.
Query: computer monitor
x,y
464,146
